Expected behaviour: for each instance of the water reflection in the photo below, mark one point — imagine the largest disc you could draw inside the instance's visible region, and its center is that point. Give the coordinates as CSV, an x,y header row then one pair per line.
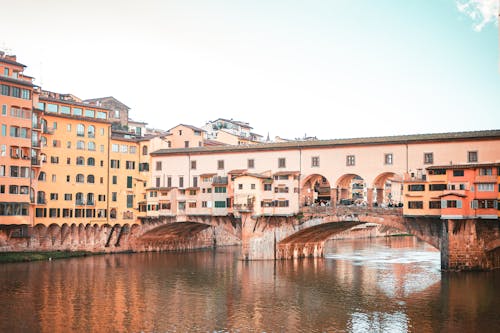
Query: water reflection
x,y
383,285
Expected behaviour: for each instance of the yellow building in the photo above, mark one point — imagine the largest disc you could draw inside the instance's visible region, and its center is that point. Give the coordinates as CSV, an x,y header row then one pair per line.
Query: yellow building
x,y
72,183
125,183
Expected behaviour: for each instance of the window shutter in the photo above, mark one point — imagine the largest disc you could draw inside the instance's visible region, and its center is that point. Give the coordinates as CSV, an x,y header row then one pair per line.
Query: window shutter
x,y
443,203
459,203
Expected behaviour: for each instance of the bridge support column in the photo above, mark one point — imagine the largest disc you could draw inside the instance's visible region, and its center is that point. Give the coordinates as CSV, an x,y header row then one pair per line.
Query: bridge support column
x,y
465,244
333,197
369,197
256,243
380,196
344,193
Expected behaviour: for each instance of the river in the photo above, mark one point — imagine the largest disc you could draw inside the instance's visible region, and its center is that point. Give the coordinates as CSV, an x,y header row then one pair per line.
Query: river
x,y
369,285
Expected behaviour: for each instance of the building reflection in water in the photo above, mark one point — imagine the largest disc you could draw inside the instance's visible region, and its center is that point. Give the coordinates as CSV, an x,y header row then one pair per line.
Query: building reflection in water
x,y
361,286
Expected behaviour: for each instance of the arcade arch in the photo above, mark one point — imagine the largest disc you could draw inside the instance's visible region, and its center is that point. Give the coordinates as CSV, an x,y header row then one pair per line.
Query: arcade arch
x,y
315,190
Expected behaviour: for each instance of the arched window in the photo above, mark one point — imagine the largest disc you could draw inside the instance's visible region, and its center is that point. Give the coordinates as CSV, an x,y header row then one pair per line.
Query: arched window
x,y
80,130
42,176
90,179
40,197
80,144
80,160
144,150
79,198
91,131
80,178
91,145
91,161
90,199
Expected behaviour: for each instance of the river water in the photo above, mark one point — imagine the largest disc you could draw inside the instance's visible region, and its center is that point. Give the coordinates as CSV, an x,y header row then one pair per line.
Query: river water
x,y
370,285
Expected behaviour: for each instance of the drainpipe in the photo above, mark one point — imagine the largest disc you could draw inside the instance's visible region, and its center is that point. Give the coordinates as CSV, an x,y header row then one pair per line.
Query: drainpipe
x,y
107,176
299,179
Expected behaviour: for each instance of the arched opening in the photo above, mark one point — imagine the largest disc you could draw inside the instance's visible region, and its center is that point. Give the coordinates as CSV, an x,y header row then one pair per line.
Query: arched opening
x,y
315,190
387,189
351,189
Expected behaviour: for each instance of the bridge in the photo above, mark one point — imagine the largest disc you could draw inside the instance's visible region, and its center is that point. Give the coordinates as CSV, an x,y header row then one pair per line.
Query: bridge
x,y
464,244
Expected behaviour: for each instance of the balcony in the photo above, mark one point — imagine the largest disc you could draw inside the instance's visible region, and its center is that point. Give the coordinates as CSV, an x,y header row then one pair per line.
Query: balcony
x,y
47,130
35,144
243,207
219,180
35,161
79,203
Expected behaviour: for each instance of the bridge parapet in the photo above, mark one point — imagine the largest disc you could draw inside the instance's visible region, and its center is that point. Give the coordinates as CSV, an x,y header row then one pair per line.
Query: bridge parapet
x,y
351,210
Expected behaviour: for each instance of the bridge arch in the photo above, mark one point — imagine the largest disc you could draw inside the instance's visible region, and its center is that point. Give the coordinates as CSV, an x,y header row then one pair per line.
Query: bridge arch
x,y
315,189
351,188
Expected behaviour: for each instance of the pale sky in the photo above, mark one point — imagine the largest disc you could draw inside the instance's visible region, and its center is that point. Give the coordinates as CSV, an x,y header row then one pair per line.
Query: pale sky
x,y
331,69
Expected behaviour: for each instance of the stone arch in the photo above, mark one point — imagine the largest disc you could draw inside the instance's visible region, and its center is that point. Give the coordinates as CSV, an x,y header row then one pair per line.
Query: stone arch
x,y
351,188
315,189
381,188
54,233
41,231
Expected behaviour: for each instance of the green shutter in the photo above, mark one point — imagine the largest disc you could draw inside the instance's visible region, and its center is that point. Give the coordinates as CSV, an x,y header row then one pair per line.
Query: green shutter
x,y
129,181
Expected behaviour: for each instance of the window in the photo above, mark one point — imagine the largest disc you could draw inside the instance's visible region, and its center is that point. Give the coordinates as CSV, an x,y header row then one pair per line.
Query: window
x,y
144,150
90,179
220,189
101,115
68,196
130,165
437,187
132,149
415,204
193,165
91,131
91,145
115,164
157,181
485,204
251,163
123,148
485,171
65,109
130,200
281,162
80,160
416,187
458,173
169,181
195,181
220,204
220,164
89,113
486,187
77,112
51,107
428,158
80,145
388,159
434,204
80,130
114,180
451,204
350,160
315,161
240,186
129,181
158,165
113,196
53,196
267,187
91,161
115,148
472,156
68,144
54,159
54,178
186,144
252,186
181,181
80,178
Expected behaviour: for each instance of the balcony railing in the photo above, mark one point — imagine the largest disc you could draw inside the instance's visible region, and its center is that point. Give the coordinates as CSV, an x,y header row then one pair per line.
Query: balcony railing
x,y
41,201
79,203
219,180
243,207
35,161
47,130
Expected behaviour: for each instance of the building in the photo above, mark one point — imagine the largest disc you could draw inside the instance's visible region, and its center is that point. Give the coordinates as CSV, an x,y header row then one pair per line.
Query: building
x,y
457,191
71,183
231,132
324,172
185,136
118,114
19,156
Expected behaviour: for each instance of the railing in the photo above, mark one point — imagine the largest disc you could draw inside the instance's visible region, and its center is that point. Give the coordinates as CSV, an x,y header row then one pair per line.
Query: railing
x,y
35,144
47,130
329,210
243,207
79,202
41,201
35,161
219,180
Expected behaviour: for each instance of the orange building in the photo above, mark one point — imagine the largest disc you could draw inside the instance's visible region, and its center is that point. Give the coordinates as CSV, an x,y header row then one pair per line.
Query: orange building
x,y
72,183
459,191
16,153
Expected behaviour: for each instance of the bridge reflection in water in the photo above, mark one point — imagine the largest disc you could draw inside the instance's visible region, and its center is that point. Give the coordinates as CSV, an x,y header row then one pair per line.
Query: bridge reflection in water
x,y
363,285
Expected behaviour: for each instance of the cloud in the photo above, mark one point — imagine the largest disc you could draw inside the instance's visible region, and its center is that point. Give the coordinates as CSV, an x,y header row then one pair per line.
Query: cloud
x,y
482,12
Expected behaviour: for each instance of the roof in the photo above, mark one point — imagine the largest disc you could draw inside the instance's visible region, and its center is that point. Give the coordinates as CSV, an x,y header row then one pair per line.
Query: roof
x,y
382,140
284,173
240,123
214,143
452,194
17,81
237,171
255,175
11,62
194,128
100,99
464,166
62,101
